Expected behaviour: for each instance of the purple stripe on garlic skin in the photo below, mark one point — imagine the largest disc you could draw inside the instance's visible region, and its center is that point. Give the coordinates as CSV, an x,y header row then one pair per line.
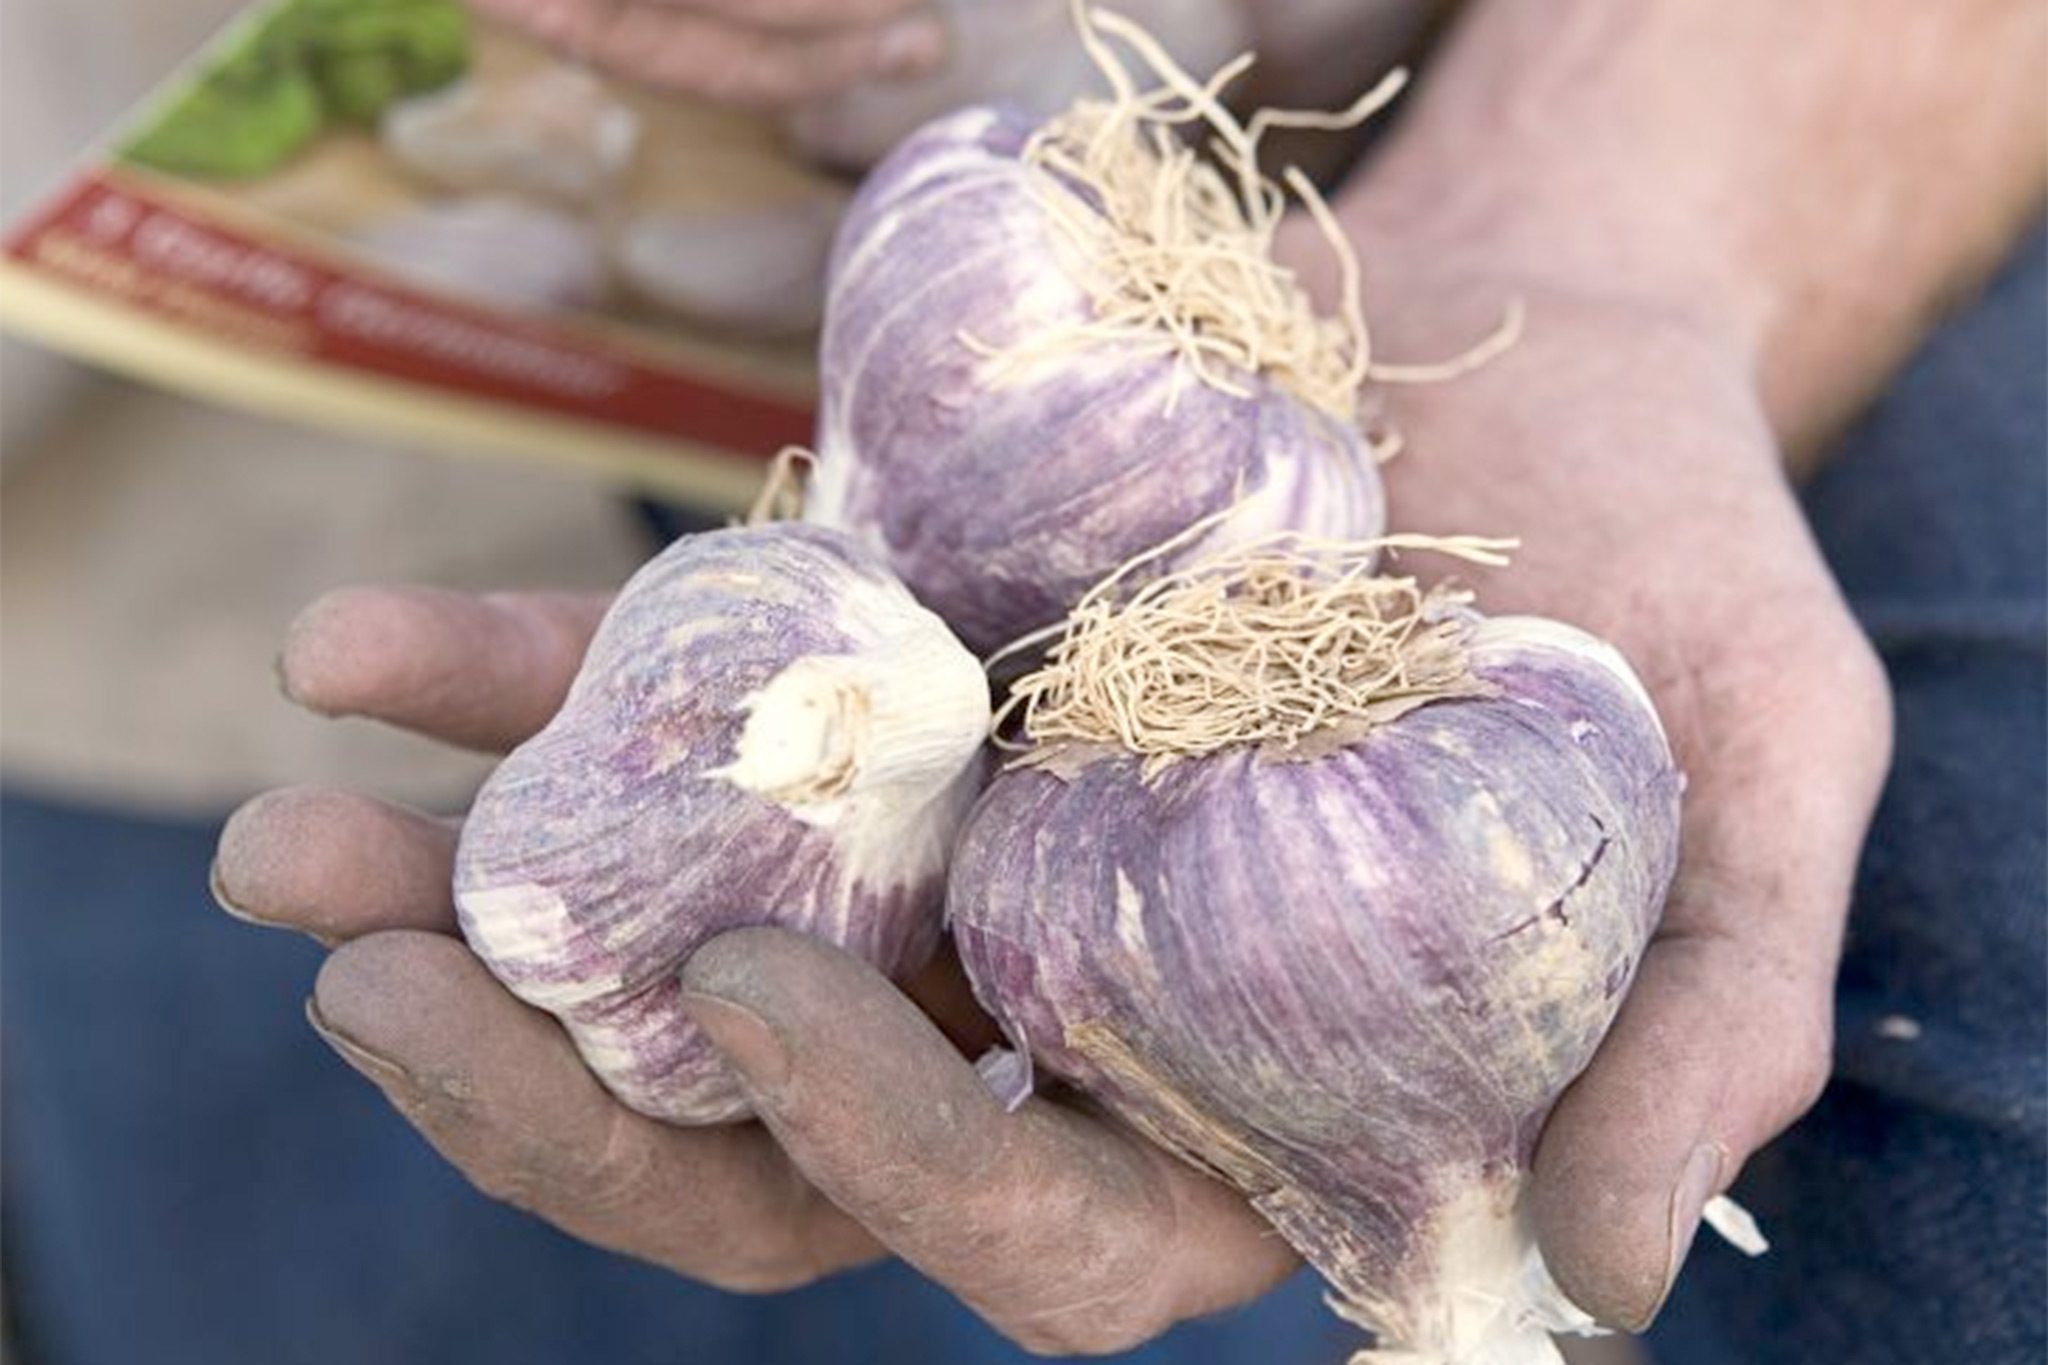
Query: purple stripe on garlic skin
x,y
1001,490
1352,985
766,729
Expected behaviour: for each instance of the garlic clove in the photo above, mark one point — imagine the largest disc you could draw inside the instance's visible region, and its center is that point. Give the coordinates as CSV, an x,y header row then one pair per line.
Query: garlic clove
x,y
757,271
555,134
500,251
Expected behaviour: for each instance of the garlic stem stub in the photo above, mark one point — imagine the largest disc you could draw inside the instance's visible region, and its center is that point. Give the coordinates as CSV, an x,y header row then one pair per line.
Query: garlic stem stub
x,y
1346,946
767,729
1049,345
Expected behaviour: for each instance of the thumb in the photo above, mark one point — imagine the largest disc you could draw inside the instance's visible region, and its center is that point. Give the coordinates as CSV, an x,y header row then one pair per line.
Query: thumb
x,y
1726,1036
1067,1233
1704,1066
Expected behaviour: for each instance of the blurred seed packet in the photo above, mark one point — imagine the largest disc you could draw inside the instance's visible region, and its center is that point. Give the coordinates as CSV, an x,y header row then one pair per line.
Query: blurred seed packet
x,y
392,215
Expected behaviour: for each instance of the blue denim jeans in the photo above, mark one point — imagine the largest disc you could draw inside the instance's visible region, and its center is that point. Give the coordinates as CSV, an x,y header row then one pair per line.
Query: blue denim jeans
x,y
192,1179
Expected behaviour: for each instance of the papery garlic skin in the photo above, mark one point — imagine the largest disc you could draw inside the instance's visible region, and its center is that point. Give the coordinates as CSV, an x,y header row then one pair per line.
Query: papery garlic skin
x,y
1001,490
556,133
766,729
494,250
1354,984
757,271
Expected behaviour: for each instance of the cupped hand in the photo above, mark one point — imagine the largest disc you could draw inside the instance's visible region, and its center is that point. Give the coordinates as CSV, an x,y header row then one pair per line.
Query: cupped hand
x,y
875,1135
1627,446
763,54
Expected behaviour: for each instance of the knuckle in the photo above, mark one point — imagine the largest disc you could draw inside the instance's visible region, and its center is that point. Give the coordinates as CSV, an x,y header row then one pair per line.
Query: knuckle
x,y
1107,1289
505,1184
1100,1330
614,1195
543,1175
756,1276
512,1175
1122,1319
787,1248
1846,693
618,1174
1865,692
1807,1062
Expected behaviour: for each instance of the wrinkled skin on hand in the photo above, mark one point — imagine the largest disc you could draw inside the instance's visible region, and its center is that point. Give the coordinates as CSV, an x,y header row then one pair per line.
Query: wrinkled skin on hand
x,y
877,1136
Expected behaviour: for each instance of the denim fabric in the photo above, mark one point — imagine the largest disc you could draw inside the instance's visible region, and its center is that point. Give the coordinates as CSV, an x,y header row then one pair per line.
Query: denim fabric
x,y
191,1179
1907,1210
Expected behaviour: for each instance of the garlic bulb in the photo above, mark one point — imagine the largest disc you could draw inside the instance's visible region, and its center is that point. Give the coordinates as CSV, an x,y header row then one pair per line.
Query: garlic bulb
x,y
1001,449
505,252
554,134
1020,53
757,271
1348,966
766,729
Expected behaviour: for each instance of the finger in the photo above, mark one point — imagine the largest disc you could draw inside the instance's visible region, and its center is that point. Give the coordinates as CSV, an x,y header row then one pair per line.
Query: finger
x,y
484,672
499,1091
1702,1068
743,64
1066,1232
336,865
1725,1036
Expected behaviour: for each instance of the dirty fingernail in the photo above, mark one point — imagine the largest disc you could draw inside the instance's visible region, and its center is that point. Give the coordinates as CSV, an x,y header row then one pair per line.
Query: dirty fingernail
x,y
746,1040
216,886
1697,1183
374,1065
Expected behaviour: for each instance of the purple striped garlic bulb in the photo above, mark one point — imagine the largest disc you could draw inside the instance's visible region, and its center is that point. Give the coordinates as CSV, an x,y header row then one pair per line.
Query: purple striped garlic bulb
x,y
1047,347
1345,948
766,729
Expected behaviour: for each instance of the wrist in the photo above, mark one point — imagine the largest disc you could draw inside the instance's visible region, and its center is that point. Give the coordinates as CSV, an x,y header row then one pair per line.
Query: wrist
x,y
1547,230
1458,215
1765,174
1443,257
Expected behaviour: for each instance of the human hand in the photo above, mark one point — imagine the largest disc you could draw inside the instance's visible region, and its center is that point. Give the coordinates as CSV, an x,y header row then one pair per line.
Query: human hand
x,y
758,54
1627,445
876,1134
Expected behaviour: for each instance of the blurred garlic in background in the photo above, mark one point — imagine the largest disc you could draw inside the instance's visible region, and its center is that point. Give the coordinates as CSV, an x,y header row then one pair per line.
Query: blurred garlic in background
x,y
753,270
557,134
498,250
